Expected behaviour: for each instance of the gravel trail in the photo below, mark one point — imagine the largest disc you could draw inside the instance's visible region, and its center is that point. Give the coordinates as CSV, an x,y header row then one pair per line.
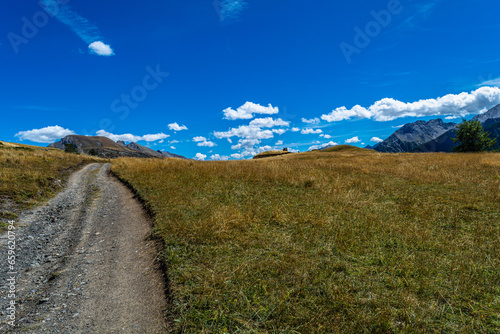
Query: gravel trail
x,y
84,263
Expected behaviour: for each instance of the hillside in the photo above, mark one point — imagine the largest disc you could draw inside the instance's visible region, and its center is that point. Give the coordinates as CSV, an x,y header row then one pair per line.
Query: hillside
x,y
344,148
269,154
412,135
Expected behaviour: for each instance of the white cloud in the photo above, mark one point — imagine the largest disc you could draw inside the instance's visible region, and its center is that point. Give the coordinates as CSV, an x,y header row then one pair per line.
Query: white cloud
x,y
101,49
45,135
219,157
352,140
202,141
295,129
174,141
376,140
318,147
314,120
325,136
87,31
309,131
177,127
279,142
128,137
268,122
245,131
173,147
388,109
199,138
237,156
245,144
207,144
279,131
248,110
200,156
452,117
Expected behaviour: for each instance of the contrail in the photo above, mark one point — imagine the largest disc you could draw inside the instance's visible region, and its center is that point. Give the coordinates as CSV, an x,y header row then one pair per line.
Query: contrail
x,y
87,31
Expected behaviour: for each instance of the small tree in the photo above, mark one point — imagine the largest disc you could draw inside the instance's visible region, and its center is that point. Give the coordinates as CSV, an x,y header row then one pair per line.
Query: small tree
x,y
93,152
472,137
70,148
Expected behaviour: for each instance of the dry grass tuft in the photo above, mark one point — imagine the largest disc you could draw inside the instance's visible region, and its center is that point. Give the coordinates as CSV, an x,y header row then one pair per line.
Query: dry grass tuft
x,y
352,242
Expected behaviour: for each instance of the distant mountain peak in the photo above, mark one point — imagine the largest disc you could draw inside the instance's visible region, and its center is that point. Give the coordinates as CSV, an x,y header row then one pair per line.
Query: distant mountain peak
x,y
412,135
106,148
493,113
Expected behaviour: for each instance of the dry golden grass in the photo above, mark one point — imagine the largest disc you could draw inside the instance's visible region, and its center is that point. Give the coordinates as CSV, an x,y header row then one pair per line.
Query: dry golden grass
x,y
30,174
348,242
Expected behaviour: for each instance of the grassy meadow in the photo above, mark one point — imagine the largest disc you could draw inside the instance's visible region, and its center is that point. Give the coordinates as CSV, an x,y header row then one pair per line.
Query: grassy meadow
x,y
30,175
348,241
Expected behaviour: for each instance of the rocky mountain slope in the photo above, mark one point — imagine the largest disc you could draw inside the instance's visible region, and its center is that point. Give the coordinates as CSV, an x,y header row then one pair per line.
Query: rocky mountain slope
x,y
444,143
435,135
106,148
412,135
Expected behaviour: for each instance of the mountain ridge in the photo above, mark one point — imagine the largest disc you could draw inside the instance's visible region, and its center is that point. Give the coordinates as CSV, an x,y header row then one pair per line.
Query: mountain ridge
x,y
437,134
107,148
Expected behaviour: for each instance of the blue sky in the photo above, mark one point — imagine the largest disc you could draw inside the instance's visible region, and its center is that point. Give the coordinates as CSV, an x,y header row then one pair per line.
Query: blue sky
x,y
230,78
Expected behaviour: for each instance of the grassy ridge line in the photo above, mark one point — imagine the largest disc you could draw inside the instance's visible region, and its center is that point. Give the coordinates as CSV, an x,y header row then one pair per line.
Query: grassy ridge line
x,y
328,242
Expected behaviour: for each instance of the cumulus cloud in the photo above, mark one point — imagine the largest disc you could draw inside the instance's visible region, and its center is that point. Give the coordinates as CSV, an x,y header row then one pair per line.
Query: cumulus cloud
x,y
177,127
268,122
279,131
101,49
295,129
200,156
202,141
388,109
376,140
248,110
173,147
325,136
199,138
352,140
128,137
279,142
319,147
219,157
237,156
308,131
45,135
245,131
207,143
252,134
314,120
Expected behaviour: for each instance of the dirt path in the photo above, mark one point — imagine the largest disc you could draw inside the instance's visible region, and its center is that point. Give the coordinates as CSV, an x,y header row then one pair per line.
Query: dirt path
x,y
84,264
